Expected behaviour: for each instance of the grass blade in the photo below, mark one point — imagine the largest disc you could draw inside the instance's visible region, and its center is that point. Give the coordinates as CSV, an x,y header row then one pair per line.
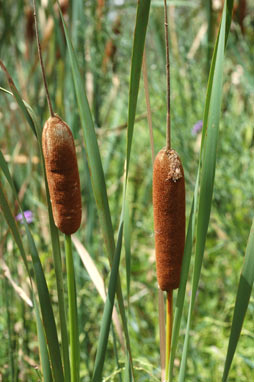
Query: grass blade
x,y
56,251
192,218
46,370
46,311
60,288
183,281
10,220
142,16
45,304
92,150
107,313
32,120
10,334
98,282
127,247
18,98
93,155
20,292
73,312
95,167
242,300
96,170
27,111
47,375
207,173
38,270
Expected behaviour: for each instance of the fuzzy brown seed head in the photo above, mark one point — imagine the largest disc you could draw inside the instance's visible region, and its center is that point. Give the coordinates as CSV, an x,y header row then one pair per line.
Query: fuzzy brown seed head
x,y
62,174
169,217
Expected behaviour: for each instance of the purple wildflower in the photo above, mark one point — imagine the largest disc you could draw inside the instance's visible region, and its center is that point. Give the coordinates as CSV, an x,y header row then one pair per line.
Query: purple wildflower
x,y
28,216
197,128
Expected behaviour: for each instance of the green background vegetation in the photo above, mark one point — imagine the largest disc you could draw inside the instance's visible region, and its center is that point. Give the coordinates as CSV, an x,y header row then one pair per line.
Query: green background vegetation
x,y
107,83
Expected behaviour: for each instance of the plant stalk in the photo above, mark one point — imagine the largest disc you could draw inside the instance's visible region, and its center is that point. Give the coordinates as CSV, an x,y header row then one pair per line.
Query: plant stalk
x,y
41,62
169,322
168,139
73,312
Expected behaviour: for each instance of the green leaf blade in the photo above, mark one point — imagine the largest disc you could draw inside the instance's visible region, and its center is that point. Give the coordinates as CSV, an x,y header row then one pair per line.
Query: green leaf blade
x,y
43,293
242,301
207,168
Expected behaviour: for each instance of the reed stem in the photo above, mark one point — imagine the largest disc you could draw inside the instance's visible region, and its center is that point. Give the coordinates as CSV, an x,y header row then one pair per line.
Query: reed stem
x,y
61,299
169,322
161,304
168,138
73,312
41,62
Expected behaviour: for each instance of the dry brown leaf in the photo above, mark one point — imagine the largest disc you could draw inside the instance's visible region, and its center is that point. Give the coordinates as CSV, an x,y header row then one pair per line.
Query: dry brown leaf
x,y
18,289
97,281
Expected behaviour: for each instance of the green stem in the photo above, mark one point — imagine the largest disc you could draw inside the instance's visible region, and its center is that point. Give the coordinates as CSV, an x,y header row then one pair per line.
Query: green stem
x,y
8,319
60,293
73,314
169,321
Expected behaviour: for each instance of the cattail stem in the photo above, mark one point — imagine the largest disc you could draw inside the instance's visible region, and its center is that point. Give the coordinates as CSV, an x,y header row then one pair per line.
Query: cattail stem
x,y
161,305
168,140
41,62
169,322
73,312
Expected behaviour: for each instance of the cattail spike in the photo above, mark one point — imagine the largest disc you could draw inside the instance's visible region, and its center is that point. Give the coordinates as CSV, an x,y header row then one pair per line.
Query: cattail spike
x,y
169,217
62,174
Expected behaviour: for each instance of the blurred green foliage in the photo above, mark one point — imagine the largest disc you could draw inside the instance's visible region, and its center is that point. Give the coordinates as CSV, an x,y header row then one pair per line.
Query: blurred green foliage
x,y
102,37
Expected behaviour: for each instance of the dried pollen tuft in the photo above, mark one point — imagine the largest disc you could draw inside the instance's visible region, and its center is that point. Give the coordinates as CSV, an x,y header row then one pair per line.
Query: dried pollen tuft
x,y
175,171
169,217
62,174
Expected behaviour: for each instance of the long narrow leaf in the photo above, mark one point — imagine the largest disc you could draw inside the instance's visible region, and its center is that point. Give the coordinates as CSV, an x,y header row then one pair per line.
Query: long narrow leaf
x,y
32,120
46,311
142,15
98,282
45,304
192,218
242,300
13,226
183,280
136,66
107,313
46,369
93,155
15,232
27,111
96,171
208,155
18,97
127,246
92,150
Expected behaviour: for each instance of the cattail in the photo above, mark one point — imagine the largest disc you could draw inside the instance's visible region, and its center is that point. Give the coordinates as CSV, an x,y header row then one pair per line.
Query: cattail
x,y
29,31
169,217
62,174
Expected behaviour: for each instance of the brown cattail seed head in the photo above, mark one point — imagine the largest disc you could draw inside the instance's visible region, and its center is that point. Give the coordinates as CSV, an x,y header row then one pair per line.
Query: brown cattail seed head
x,y
62,174
169,217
